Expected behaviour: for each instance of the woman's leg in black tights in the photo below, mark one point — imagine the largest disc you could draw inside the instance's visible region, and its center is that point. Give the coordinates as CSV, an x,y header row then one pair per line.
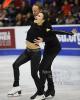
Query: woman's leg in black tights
x,y
35,61
23,58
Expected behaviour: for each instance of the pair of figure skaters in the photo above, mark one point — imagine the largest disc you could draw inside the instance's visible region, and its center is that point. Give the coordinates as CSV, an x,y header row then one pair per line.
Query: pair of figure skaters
x,y
40,31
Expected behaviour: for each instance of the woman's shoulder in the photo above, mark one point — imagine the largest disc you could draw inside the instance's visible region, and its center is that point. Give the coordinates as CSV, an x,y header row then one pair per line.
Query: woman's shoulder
x,y
47,23
33,25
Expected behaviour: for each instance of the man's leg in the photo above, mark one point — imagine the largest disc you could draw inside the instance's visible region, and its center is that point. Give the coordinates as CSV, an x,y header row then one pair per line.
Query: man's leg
x,y
43,69
51,89
46,73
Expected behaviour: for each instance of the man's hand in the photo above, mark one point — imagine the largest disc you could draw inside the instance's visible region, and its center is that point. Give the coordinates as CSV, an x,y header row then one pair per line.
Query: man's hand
x,y
38,40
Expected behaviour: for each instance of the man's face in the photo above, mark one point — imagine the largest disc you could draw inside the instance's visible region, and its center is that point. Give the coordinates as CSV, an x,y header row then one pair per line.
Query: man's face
x,y
35,10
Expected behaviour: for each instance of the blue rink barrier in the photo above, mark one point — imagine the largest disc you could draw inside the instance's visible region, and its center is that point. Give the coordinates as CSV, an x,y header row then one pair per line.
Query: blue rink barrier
x,y
19,51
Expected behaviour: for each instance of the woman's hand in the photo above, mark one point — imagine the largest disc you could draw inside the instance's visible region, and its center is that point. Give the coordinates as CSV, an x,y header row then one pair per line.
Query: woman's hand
x,y
74,31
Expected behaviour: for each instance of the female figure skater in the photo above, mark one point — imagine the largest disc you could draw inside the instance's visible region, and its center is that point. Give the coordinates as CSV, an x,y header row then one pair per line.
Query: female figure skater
x,y
32,52
51,50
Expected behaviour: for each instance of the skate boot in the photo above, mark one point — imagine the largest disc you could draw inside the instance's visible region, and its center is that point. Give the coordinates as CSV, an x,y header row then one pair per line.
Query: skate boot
x,y
40,97
34,96
15,91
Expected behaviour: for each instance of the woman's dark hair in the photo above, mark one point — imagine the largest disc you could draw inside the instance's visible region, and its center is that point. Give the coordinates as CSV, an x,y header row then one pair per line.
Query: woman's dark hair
x,y
45,16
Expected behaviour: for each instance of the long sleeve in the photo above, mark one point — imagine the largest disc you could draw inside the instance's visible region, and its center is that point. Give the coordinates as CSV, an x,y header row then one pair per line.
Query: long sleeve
x,y
61,32
51,34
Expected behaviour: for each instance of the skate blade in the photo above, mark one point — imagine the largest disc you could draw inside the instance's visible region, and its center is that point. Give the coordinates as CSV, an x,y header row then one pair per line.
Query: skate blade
x,y
14,95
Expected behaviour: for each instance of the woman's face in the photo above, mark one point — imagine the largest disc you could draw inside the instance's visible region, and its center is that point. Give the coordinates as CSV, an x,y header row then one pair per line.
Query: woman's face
x,y
39,18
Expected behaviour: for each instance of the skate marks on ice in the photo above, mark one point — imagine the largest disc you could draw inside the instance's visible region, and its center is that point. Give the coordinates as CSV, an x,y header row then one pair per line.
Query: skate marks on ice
x,y
64,91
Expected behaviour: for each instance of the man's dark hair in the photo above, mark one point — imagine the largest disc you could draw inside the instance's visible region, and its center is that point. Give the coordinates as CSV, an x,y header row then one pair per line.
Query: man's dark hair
x,y
38,4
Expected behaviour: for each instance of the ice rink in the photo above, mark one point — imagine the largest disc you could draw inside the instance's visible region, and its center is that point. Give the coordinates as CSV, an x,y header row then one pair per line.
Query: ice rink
x,y
66,74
